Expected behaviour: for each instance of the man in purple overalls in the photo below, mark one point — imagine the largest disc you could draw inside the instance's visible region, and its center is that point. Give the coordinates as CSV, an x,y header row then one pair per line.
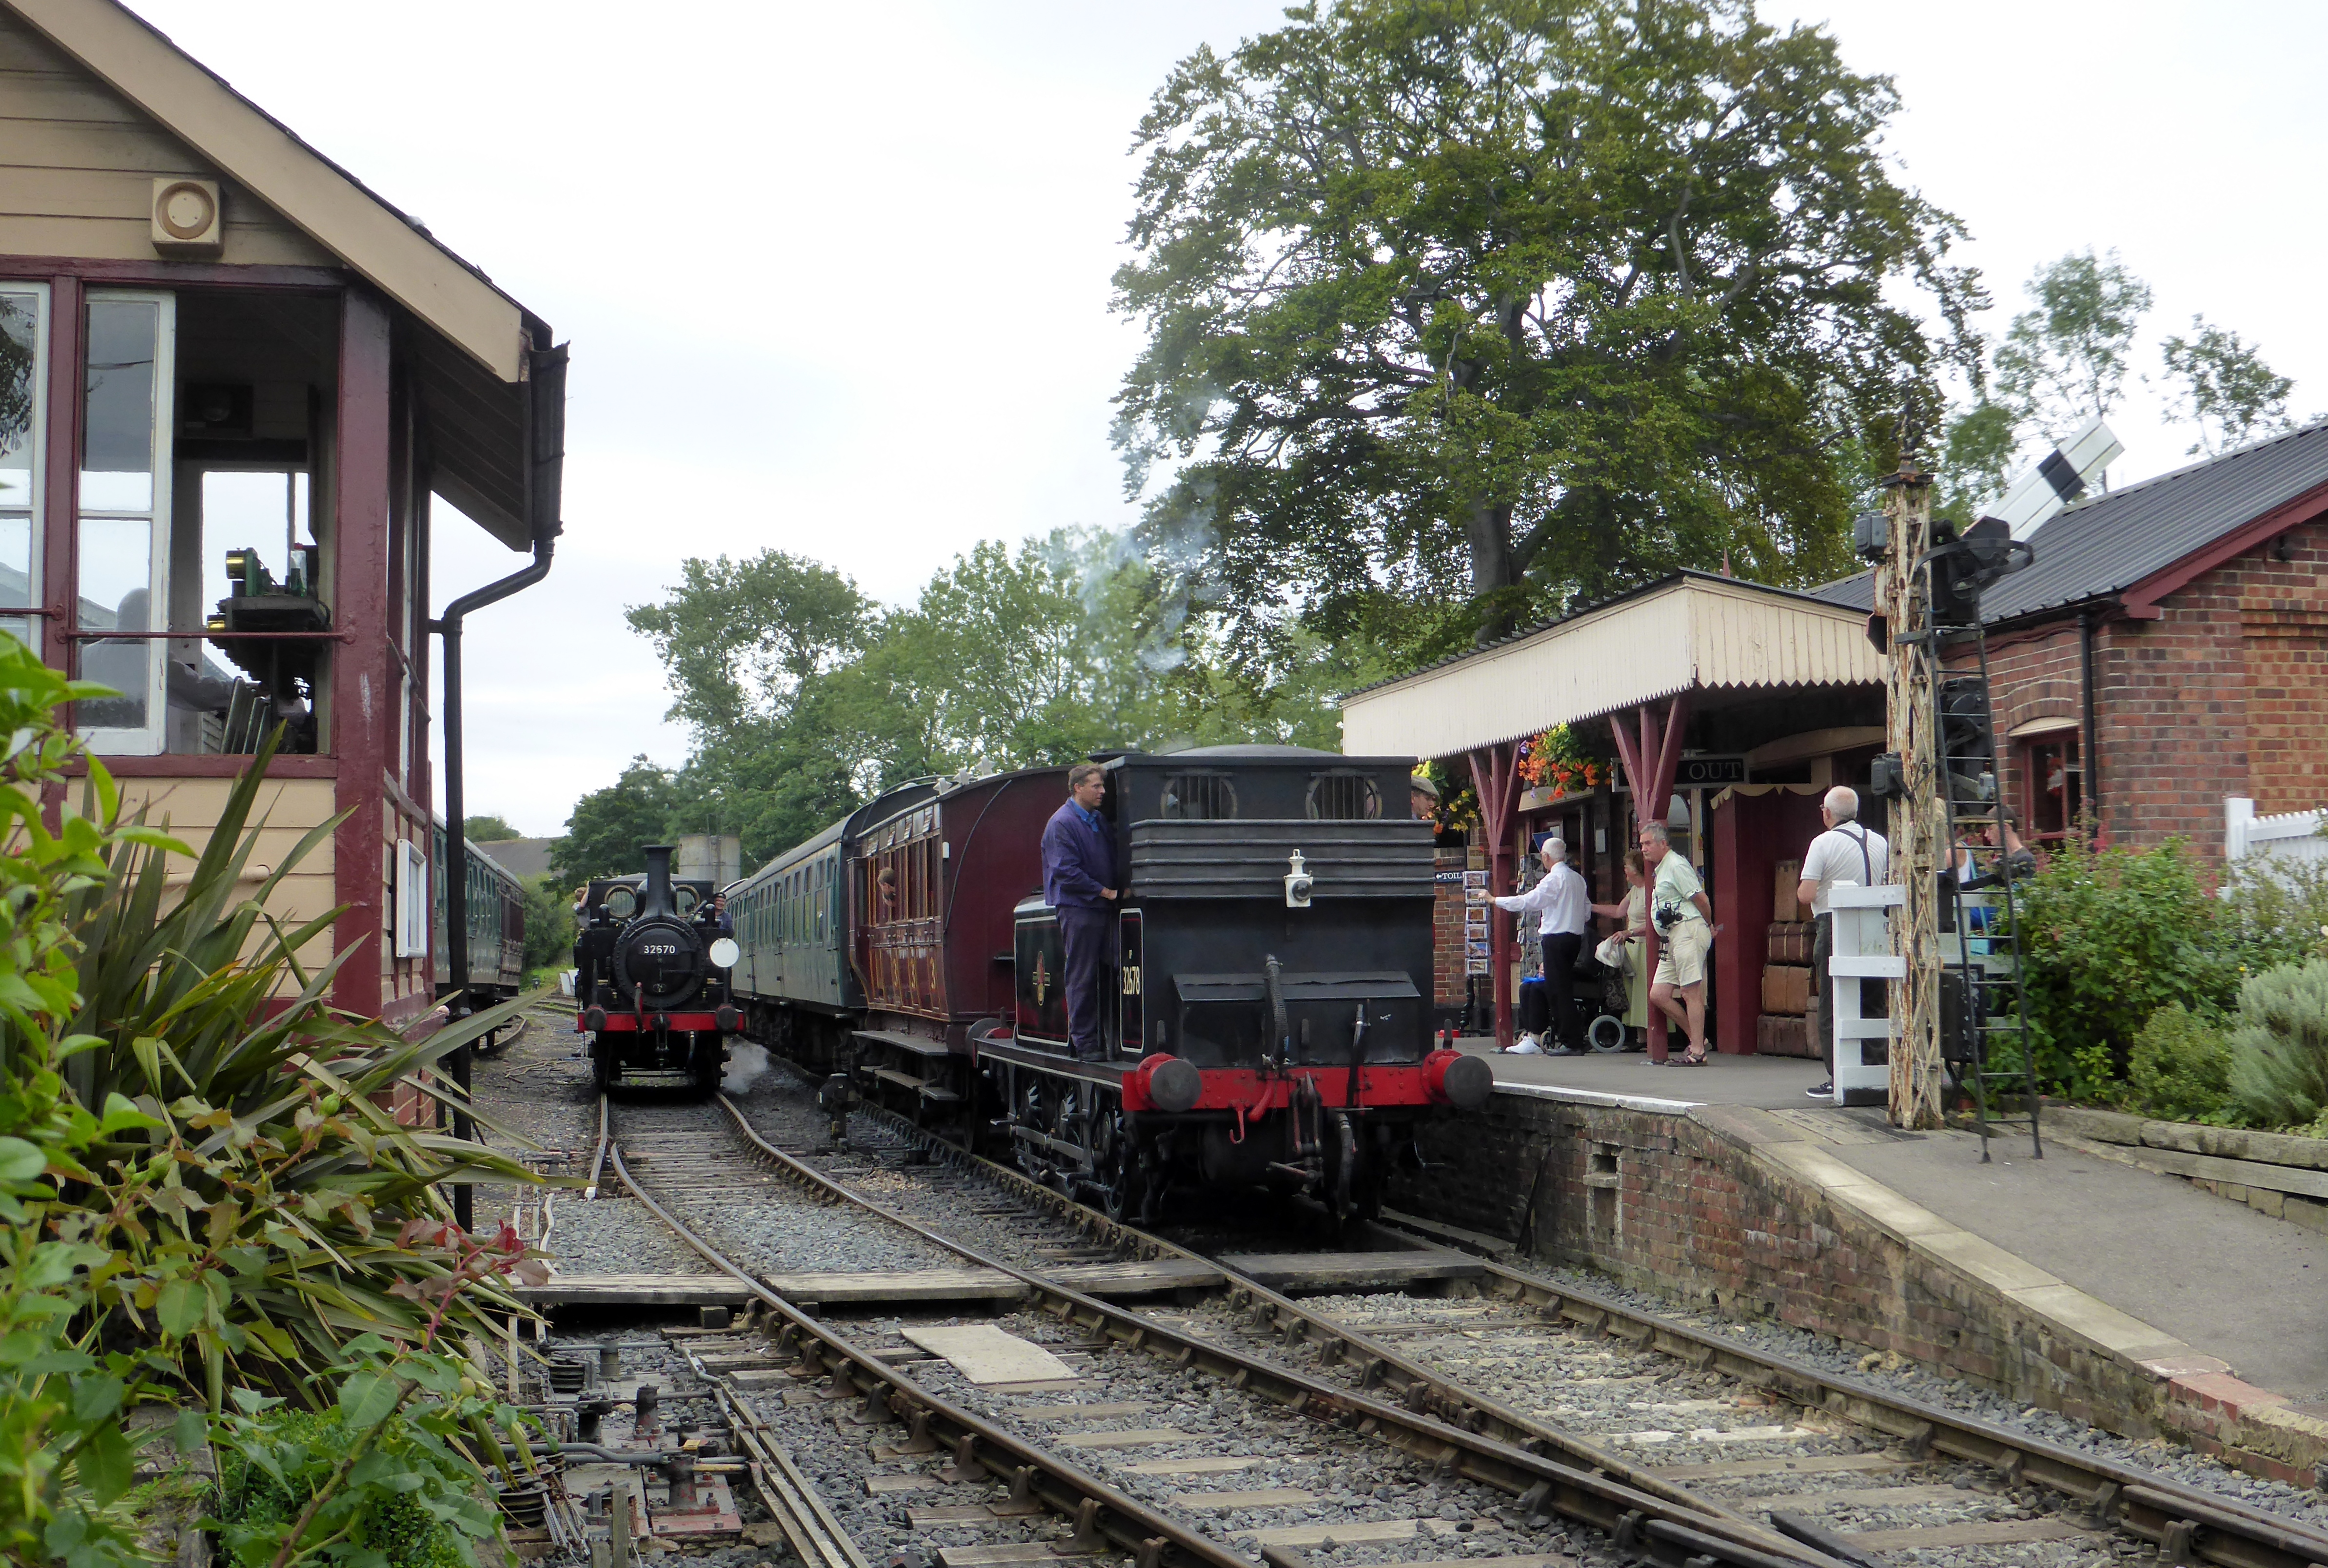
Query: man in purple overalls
x,y
1079,882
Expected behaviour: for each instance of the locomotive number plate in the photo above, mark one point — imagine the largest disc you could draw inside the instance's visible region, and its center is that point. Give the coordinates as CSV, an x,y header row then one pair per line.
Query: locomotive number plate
x,y
663,949
1131,980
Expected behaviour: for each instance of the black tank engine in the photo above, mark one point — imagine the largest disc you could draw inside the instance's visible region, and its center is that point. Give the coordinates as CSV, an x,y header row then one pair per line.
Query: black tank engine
x,y
650,979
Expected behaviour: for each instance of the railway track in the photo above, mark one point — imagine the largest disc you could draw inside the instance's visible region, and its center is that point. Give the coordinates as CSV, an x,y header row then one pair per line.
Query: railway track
x,y
1885,1473
1261,1415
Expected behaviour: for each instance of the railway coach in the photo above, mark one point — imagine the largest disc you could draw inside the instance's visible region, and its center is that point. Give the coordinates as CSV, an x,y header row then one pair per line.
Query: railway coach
x,y
1267,1015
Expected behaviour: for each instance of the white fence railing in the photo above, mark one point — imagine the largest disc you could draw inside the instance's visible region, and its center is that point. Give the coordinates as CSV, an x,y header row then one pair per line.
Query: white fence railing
x,y
2285,835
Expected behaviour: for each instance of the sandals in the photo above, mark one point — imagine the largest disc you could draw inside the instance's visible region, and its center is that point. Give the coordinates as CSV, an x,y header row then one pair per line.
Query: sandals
x,y
1694,1059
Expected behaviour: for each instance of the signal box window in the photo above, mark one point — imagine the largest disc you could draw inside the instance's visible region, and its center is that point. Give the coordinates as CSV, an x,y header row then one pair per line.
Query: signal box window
x,y
2053,781
1200,797
23,380
1344,797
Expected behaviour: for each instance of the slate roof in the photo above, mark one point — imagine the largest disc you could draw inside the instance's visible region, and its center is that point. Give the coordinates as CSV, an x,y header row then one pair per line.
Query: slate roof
x,y
2107,544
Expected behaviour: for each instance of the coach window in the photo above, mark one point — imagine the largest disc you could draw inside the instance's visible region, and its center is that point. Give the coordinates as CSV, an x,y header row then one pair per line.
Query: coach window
x,y
1344,797
24,381
1200,797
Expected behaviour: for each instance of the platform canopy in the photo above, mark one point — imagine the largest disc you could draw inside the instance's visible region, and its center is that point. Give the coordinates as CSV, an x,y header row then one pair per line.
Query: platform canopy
x,y
1694,632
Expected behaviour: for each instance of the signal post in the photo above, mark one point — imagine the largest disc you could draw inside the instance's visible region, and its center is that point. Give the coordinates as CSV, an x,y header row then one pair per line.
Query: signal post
x,y
1918,820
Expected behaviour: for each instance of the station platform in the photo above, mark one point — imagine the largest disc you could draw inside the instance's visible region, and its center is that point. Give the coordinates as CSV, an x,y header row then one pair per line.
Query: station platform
x,y
2225,1307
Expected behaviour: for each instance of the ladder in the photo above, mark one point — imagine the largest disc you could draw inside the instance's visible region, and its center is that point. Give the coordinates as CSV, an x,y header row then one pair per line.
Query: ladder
x,y
1982,1003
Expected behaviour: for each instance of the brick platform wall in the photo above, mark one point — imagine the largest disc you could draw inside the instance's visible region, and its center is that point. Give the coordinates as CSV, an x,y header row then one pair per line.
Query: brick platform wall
x,y
1678,1205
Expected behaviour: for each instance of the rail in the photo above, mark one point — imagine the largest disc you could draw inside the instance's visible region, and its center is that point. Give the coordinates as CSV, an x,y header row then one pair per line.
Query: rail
x,y
2201,1525
1595,1488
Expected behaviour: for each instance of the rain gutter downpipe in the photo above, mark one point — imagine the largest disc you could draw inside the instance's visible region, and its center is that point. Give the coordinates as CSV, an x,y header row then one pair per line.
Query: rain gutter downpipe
x,y
545,396
2090,744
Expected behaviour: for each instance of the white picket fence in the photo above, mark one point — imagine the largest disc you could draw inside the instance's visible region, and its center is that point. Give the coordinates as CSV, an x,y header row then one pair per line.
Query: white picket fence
x,y
2285,835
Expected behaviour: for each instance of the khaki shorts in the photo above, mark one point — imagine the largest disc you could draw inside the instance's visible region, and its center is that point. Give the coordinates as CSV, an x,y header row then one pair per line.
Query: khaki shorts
x,y
1682,961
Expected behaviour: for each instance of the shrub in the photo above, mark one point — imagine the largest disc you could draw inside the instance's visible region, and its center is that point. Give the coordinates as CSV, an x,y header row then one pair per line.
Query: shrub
x,y
2279,1046
382,1476
2181,1068
2109,938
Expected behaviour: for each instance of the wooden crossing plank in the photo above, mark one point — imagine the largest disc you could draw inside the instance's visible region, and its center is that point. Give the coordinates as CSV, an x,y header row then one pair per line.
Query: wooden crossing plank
x,y
1262,1498
636,1290
1139,1437
1351,1271
1083,1411
1014,1551
1213,1465
958,1514
1972,1533
889,1486
1044,1385
1136,1278
1350,1531
1877,1497
875,1286
1814,1464
986,1355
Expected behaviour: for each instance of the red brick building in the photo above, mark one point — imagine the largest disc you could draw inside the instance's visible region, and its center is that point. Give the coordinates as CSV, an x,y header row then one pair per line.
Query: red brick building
x,y
2168,648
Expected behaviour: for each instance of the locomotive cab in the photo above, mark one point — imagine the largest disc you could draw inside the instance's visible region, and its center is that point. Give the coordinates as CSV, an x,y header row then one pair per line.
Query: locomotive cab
x,y
652,979
1275,936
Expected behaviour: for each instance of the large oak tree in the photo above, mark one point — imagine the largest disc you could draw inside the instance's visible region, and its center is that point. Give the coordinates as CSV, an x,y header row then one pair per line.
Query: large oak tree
x,y
1457,310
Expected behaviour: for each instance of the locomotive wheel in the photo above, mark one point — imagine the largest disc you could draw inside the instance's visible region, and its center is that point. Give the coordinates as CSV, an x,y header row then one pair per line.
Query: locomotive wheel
x,y
602,1076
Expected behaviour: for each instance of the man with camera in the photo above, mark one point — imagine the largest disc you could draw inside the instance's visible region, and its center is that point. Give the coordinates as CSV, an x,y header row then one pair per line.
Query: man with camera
x,y
1566,914
1684,917
1845,853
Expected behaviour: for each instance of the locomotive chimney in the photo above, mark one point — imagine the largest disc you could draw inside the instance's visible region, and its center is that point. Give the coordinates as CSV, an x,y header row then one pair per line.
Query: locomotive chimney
x,y
658,893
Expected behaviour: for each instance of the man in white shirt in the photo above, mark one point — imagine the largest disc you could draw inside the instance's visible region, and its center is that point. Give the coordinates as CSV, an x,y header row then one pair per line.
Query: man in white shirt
x,y
1565,914
1845,853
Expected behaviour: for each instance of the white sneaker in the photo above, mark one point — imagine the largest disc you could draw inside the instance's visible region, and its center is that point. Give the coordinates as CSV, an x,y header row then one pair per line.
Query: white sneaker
x,y
1528,1046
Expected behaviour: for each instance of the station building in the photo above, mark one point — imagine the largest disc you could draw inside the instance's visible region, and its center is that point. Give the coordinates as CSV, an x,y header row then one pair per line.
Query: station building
x,y
2167,651
231,378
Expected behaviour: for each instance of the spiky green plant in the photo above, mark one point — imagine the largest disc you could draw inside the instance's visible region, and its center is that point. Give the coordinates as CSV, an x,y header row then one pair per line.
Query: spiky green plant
x,y
254,1205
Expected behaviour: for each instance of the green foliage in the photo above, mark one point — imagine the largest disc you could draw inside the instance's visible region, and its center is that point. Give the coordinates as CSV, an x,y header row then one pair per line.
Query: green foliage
x,y
1009,656
2222,388
1976,460
2180,1070
607,827
1496,305
487,829
189,1191
2279,1046
549,923
382,1475
2109,937
2066,359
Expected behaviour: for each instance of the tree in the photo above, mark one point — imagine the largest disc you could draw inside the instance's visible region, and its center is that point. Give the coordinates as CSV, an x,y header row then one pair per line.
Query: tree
x,y
549,921
742,638
609,826
1976,459
2223,389
2064,361
487,829
1487,304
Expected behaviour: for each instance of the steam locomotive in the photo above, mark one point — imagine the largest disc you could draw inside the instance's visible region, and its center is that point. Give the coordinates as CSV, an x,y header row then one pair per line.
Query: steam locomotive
x,y
650,979
1266,1022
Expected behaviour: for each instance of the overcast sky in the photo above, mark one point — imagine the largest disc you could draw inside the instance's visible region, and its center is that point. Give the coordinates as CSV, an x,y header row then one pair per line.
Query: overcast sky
x,y
836,276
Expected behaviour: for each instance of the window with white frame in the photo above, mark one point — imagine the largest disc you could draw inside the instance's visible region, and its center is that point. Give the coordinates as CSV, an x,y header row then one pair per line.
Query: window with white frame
x,y
411,900
125,507
23,385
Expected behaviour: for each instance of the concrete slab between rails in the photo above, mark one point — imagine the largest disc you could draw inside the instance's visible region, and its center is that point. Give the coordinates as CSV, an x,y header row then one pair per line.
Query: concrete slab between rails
x,y
2122,1296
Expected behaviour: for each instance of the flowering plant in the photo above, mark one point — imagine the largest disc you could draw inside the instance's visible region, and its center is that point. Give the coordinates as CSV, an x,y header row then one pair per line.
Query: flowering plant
x,y
1556,758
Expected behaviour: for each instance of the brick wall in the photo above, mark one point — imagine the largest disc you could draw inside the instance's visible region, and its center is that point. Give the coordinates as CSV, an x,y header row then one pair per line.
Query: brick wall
x,y
1447,932
2226,694
1667,1204
1718,1208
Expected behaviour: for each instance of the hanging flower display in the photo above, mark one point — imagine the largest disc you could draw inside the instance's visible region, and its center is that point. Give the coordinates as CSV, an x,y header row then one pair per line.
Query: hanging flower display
x,y
1556,760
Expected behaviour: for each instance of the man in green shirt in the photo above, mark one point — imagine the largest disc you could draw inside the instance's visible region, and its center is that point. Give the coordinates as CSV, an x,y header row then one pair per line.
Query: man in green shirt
x,y
1684,917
